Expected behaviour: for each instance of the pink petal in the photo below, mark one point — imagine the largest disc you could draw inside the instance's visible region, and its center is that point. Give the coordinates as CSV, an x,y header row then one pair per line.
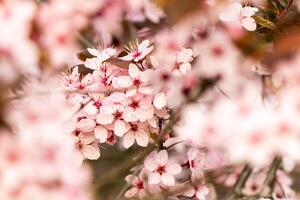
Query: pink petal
x,y
144,44
104,119
160,100
129,115
249,24
249,11
131,178
154,178
120,128
101,134
86,125
131,192
142,138
90,152
128,140
146,51
143,114
168,179
91,63
185,68
185,55
122,82
86,138
128,57
150,164
133,71
90,109
173,168
162,157
93,51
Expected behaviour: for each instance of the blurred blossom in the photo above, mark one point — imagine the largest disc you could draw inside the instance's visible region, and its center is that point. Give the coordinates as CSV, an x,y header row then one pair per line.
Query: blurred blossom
x,y
38,160
185,96
18,53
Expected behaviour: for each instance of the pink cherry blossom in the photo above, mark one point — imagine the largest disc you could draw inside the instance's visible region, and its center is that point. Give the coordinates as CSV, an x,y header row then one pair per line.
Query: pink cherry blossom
x,y
138,187
184,58
137,81
100,57
199,192
87,145
161,170
138,52
136,132
139,107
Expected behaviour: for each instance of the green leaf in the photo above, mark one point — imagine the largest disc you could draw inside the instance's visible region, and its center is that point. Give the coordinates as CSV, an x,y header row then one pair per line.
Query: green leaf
x,y
265,23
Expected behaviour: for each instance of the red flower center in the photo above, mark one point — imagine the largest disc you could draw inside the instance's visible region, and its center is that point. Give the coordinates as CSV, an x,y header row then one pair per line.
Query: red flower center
x,y
134,104
218,51
139,184
134,127
161,169
104,81
97,104
136,54
118,114
136,82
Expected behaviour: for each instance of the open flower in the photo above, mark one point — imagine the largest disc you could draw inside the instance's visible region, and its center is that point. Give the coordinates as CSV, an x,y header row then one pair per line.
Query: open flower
x,y
100,57
138,187
183,59
136,81
138,53
87,145
199,192
139,108
136,132
237,14
160,169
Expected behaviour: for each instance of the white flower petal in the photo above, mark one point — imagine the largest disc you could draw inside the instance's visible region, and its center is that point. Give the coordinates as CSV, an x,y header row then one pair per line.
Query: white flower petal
x,y
104,119
101,134
121,127
134,71
128,57
86,125
122,82
154,178
249,24
185,55
150,164
142,138
168,179
128,140
162,157
160,100
249,11
173,168
91,63
185,68
131,192
90,109
93,51
90,152
143,45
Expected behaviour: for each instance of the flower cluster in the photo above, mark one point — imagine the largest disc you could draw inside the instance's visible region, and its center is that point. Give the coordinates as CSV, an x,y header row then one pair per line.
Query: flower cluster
x,y
191,97
121,101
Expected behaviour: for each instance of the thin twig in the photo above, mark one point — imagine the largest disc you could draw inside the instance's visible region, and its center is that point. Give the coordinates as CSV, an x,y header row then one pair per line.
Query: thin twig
x,y
271,177
238,186
284,12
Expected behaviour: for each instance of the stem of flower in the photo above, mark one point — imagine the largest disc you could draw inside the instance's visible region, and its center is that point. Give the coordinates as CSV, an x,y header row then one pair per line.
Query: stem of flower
x,y
238,186
269,182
